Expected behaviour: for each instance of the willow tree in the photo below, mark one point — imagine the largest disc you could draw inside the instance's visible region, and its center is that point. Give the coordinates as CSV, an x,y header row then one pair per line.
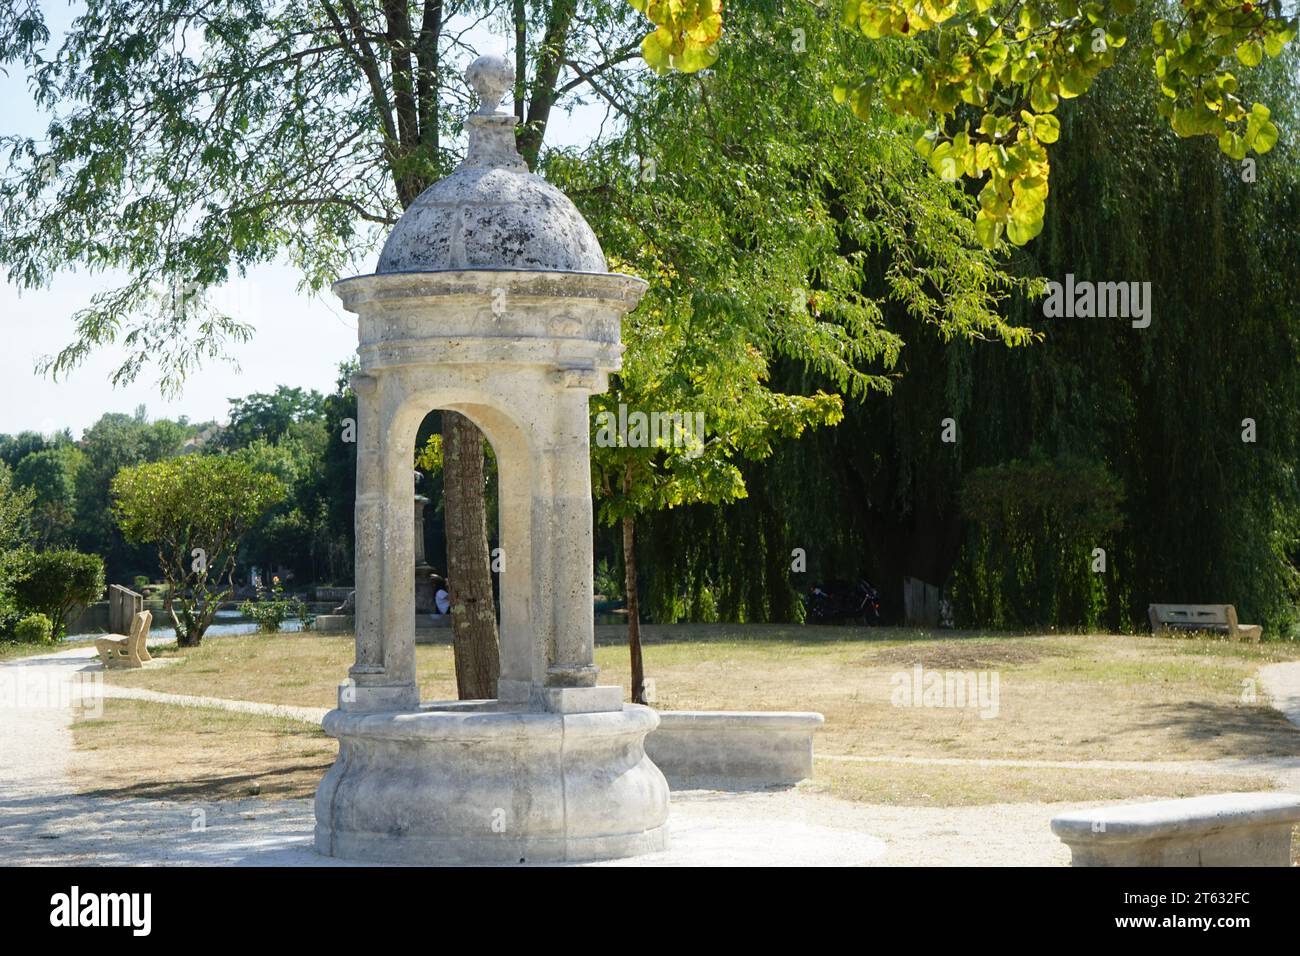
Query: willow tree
x,y
188,142
982,79
773,226
1157,414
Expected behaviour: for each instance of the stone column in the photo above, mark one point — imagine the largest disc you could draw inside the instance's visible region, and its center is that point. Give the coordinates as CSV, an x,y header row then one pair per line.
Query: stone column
x,y
424,593
383,677
367,557
397,587
568,461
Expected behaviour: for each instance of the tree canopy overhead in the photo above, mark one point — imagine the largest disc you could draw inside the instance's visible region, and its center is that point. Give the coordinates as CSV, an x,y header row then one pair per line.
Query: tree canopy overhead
x,y
188,142
983,78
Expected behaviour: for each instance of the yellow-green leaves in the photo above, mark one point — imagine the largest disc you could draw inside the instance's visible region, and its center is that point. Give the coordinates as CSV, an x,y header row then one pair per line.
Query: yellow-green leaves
x,y
1192,68
1015,60
1261,133
1046,128
686,36
858,97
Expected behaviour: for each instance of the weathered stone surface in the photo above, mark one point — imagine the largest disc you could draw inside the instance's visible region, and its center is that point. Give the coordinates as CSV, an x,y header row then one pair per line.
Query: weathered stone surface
x,y
1229,829
492,219
492,213
491,300
478,782
327,623
730,750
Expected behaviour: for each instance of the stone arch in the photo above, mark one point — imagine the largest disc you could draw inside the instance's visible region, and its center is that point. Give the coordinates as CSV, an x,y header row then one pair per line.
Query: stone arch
x,y
522,662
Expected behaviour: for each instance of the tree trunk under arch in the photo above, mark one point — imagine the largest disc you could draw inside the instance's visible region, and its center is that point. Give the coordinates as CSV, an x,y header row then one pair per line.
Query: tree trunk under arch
x,y
469,571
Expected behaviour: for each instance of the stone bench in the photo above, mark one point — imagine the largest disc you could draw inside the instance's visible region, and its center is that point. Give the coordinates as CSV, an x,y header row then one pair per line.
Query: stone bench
x,y
728,750
1219,618
1227,829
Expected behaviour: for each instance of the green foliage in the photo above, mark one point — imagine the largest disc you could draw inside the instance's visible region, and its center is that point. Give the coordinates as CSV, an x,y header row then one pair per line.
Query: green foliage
x,y
195,509
15,512
807,228
985,87
271,417
1036,524
982,78
54,582
1206,516
14,448
272,609
114,442
51,474
338,473
34,629
607,581
1078,500
15,538
429,457
686,35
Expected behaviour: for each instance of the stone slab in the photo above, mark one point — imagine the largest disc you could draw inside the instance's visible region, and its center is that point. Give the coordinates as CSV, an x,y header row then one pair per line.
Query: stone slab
x,y
583,700
1229,829
328,623
733,750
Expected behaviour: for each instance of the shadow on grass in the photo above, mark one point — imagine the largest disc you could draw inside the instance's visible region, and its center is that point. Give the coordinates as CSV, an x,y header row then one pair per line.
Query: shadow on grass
x,y
282,782
1234,730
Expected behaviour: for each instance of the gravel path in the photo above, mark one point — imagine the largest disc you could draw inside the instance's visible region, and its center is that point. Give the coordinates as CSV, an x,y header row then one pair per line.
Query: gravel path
x,y
41,823
1281,682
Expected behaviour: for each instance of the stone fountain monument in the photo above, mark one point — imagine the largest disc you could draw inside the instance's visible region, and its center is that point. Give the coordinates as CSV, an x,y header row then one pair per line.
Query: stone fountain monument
x,y
492,298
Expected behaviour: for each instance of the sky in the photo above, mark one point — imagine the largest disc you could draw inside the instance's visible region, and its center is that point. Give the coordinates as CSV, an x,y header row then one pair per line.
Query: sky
x,y
299,340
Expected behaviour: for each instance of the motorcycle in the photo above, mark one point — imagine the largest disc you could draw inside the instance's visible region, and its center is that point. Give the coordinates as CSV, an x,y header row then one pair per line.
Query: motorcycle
x,y
840,601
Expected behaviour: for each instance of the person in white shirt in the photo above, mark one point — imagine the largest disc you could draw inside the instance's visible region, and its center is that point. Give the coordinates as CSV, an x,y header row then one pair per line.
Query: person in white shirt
x,y
441,596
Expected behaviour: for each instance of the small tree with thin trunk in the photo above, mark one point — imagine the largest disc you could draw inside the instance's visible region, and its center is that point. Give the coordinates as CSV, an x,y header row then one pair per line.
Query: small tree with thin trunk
x,y
667,440
196,509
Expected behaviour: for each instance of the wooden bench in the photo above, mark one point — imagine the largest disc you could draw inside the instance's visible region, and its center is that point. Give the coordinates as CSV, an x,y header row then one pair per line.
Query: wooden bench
x,y
1219,618
127,651
1226,829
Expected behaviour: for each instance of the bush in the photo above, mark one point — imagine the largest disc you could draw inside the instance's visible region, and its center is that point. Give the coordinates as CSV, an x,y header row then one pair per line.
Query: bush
x,y
141,582
34,629
53,582
272,608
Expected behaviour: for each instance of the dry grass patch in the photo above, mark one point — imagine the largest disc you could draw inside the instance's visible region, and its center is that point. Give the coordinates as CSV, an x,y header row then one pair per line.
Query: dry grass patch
x,y
143,749
1062,697
1075,697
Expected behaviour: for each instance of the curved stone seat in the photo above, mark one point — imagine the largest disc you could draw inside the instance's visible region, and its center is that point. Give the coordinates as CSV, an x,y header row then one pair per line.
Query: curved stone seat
x,y
1228,829
478,782
721,749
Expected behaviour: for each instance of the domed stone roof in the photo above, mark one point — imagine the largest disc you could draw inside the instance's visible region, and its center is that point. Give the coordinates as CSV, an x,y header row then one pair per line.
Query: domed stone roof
x,y
492,213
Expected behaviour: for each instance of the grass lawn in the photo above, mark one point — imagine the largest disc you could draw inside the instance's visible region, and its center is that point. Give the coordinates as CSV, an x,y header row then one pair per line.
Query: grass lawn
x,y
1061,697
143,749
11,650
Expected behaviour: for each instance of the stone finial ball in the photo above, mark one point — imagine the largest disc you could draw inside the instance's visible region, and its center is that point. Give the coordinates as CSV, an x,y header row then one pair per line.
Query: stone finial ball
x,y
491,76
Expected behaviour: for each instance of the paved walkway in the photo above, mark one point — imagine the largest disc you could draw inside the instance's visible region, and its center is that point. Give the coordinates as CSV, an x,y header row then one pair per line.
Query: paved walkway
x,y
1281,683
309,715
41,823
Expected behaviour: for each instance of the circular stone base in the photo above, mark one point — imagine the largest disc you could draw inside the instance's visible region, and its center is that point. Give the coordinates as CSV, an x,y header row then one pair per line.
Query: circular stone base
x,y
477,782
